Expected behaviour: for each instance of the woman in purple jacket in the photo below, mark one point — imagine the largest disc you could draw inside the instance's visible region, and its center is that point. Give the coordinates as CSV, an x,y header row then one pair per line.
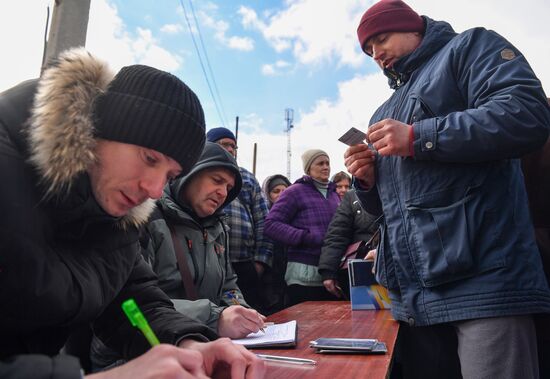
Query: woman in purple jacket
x,y
300,219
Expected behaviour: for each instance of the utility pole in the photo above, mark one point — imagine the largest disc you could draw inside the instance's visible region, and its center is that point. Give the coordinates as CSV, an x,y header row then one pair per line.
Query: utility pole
x,y
289,117
236,133
254,158
69,27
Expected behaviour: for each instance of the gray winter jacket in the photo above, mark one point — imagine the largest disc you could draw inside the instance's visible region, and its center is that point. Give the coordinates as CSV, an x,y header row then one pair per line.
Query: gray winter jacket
x,y
205,244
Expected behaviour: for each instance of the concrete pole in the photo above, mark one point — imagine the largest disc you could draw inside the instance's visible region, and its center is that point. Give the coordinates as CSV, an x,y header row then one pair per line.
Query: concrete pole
x,y
69,27
254,158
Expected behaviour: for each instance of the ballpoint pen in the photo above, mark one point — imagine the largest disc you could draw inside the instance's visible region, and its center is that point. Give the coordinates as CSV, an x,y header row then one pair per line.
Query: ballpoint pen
x,y
139,321
282,359
235,300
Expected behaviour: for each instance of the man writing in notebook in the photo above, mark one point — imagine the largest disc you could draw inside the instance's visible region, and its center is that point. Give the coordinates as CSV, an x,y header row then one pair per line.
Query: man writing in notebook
x,y
457,250
84,153
186,241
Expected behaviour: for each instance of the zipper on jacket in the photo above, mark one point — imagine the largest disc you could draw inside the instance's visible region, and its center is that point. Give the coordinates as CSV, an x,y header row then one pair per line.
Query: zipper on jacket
x,y
195,265
204,240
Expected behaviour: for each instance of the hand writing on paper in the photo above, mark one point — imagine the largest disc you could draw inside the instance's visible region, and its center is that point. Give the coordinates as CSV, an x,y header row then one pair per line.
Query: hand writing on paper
x,y
237,321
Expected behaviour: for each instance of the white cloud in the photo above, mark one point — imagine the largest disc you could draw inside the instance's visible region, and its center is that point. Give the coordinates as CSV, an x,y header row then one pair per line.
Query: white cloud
x,y
282,64
315,31
220,28
171,28
268,70
109,38
22,25
249,18
241,43
278,68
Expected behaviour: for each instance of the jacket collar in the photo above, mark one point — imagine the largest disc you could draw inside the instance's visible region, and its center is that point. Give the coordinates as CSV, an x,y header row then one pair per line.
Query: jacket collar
x,y
437,35
61,126
306,179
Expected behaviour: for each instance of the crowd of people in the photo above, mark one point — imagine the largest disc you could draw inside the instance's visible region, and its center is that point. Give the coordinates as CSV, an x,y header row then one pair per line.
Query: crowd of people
x,y
116,191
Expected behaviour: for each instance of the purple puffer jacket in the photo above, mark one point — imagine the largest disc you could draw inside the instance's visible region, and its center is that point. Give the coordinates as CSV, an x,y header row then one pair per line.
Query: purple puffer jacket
x,y
300,219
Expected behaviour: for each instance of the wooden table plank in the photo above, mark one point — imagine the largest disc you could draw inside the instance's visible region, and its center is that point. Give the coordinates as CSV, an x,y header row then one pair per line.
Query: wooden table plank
x,y
333,319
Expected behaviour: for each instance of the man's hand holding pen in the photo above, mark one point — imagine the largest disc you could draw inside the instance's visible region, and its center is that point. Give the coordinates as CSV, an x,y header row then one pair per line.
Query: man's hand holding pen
x,y
237,321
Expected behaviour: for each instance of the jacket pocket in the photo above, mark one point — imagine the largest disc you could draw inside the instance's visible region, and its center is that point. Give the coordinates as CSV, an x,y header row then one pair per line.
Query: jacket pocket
x,y
384,267
445,238
420,110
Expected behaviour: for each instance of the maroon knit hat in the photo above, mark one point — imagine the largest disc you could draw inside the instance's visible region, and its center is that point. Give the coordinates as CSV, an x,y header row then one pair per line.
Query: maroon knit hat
x,y
388,16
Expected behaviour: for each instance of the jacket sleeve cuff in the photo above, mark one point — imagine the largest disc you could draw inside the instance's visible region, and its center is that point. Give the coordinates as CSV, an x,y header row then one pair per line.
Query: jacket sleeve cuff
x,y
34,366
425,138
411,141
327,274
266,260
192,336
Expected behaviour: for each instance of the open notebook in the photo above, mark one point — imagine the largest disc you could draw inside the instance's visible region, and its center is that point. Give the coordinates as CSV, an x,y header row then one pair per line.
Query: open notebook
x,y
277,335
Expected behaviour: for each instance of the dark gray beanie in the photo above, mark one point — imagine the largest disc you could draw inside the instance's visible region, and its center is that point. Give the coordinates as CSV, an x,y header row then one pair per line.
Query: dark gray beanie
x,y
277,180
154,109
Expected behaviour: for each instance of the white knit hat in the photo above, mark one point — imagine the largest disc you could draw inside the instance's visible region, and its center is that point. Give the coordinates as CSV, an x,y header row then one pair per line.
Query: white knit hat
x,y
309,156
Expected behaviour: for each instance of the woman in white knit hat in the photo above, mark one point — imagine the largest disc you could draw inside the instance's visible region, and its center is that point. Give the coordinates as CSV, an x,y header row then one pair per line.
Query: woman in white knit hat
x,y
300,219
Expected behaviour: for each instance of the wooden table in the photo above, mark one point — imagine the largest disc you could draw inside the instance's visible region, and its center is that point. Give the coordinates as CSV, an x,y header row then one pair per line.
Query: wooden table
x,y
333,319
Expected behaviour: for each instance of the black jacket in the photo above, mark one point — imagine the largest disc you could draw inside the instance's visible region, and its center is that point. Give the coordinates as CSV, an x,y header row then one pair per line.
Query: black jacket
x,y
64,262
350,223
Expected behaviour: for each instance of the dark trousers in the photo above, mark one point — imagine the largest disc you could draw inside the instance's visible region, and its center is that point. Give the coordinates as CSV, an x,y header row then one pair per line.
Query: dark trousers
x,y
273,279
250,284
426,352
298,294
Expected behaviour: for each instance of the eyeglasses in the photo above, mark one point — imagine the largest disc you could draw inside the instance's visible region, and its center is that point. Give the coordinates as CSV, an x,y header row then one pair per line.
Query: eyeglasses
x,y
228,145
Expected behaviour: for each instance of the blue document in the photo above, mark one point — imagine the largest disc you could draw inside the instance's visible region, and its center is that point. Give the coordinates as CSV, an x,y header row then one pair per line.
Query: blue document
x,y
365,292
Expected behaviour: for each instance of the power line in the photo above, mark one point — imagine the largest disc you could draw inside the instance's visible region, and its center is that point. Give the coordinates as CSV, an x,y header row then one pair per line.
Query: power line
x,y
207,60
201,63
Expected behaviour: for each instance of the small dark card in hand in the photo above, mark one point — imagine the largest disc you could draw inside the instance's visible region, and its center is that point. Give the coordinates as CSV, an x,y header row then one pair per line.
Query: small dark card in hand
x,y
352,137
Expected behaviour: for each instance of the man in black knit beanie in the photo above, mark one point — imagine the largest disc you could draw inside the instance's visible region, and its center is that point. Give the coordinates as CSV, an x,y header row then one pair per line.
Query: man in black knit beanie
x,y
86,153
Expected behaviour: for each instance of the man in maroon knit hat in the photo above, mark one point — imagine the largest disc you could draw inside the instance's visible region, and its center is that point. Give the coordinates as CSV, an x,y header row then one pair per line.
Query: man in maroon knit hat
x,y
457,253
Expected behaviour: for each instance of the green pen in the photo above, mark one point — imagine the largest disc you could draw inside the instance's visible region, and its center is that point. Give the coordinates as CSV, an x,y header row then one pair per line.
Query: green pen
x,y
138,320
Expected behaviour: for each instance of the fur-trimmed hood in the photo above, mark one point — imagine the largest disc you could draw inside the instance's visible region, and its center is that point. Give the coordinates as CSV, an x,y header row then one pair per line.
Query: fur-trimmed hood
x,y
61,128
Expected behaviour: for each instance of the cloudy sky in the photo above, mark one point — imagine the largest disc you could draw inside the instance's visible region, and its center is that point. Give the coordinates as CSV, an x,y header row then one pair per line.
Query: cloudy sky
x,y
261,57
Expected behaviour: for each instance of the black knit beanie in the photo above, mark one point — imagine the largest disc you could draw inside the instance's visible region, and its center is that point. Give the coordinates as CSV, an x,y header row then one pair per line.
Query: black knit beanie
x,y
154,109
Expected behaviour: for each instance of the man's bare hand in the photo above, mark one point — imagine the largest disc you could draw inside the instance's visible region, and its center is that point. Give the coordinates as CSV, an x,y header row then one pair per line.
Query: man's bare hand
x,y
332,286
260,268
371,257
390,137
224,359
162,361
360,161
237,321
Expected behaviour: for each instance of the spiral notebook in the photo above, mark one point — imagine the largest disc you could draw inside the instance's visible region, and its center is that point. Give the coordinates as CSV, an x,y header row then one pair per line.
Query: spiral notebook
x,y
276,335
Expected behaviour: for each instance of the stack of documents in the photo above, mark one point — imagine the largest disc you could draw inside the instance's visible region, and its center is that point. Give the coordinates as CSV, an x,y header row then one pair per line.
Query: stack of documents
x,y
276,335
348,346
